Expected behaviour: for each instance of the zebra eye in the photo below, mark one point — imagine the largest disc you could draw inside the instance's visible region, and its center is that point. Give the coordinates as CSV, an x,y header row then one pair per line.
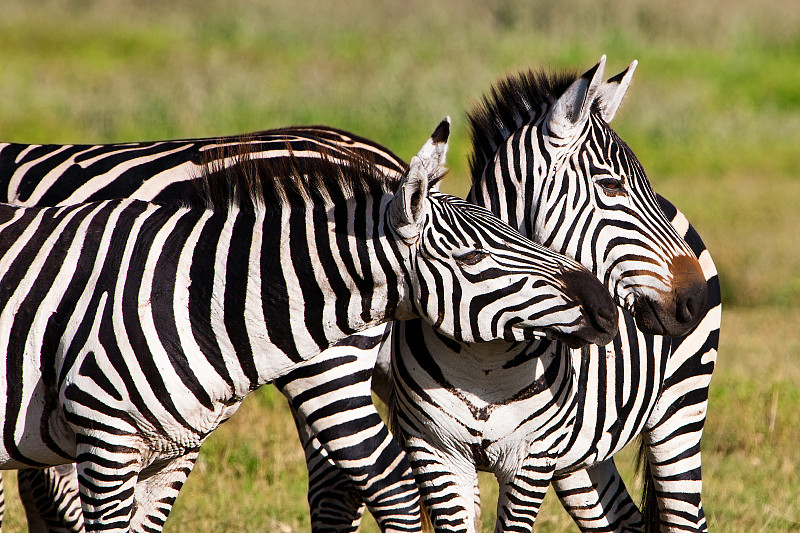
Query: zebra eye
x,y
472,257
611,186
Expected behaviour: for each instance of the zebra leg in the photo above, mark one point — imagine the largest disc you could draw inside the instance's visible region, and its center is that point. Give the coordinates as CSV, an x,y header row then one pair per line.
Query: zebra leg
x,y
331,394
522,491
107,474
447,485
671,446
51,499
156,490
333,500
597,500
673,467
671,440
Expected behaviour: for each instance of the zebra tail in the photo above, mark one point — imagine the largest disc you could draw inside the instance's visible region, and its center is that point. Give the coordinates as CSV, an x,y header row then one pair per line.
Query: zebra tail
x,y
649,505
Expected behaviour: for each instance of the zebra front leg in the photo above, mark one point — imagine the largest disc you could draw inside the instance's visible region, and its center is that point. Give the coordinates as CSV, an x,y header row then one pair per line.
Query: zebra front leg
x,y
522,490
334,502
447,485
157,488
332,396
673,469
597,500
51,499
671,440
107,473
364,451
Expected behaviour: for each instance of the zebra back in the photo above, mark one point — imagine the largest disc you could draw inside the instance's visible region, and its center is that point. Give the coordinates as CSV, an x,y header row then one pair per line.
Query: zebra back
x,y
50,175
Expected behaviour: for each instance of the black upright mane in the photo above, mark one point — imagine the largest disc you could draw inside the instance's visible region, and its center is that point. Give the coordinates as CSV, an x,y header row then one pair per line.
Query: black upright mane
x,y
235,175
511,103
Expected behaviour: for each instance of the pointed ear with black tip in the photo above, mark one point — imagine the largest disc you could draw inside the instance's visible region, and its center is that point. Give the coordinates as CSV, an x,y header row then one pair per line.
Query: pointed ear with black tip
x,y
612,92
407,208
571,111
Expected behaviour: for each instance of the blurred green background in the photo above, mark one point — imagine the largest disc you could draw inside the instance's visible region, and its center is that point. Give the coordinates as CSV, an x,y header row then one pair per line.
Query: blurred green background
x,y
713,114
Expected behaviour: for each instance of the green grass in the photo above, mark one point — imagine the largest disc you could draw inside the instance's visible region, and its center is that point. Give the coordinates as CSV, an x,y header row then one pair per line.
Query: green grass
x,y
713,114
251,474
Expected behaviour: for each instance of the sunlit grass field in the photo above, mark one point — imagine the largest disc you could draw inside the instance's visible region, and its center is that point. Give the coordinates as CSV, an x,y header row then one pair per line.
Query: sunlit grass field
x,y
713,114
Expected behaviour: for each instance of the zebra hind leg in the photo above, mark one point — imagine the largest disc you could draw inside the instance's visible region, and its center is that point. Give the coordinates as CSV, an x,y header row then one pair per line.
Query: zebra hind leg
x,y
117,494
51,499
107,474
597,500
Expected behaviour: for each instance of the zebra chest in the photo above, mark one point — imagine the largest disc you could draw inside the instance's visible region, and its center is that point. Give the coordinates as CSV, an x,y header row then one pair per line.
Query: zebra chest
x,y
494,415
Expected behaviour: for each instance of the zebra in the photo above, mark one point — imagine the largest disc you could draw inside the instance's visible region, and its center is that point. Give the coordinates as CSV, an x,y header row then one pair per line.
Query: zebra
x,y
547,163
162,172
244,286
40,173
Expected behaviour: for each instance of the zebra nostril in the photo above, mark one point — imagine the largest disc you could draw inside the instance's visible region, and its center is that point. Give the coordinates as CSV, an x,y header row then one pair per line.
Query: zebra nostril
x,y
691,289
605,319
690,303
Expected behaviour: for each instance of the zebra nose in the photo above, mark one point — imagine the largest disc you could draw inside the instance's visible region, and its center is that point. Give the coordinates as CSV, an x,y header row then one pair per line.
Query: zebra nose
x,y
691,290
690,304
600,318
679,310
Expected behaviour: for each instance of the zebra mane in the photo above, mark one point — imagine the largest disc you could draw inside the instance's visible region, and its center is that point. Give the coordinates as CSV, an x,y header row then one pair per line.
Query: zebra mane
x,y
235,175
511,103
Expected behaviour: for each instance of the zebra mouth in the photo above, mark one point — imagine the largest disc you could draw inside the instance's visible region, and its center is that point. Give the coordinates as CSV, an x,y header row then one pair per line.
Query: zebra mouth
x,y
647,317
572,341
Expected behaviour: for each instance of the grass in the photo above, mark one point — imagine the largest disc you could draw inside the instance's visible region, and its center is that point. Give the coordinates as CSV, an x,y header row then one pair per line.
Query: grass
x,y
251,474
713,114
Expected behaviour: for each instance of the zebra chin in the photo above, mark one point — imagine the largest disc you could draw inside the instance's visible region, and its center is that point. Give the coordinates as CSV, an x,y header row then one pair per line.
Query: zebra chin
x,y
676,312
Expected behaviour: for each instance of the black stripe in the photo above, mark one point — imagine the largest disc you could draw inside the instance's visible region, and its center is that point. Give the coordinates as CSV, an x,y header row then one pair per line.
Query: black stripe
x,y
162,296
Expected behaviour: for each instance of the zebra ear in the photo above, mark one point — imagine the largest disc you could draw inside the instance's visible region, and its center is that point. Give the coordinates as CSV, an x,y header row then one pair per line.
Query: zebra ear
x,y
611,93
407,208
571,110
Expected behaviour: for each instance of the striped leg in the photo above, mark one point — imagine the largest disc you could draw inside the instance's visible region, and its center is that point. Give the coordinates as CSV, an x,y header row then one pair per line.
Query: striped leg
x,y
597,500
107,473
522,491
447,486
331,396
156,491
672,449
51,499
675,469
334,501
117,495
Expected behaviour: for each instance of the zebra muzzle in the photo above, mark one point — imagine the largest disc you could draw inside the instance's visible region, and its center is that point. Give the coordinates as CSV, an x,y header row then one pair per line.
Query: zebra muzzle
x,y
599,318
678,310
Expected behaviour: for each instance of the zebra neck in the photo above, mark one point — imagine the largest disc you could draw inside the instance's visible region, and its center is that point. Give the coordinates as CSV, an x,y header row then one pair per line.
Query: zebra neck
x,y
500,188
286,286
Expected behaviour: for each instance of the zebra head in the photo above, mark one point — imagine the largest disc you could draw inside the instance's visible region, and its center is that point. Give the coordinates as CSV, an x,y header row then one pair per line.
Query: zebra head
x,y
474,278
548,162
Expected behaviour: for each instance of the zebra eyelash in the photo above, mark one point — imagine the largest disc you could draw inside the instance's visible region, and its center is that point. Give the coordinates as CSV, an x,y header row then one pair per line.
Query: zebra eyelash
x,y
472,257
612,186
